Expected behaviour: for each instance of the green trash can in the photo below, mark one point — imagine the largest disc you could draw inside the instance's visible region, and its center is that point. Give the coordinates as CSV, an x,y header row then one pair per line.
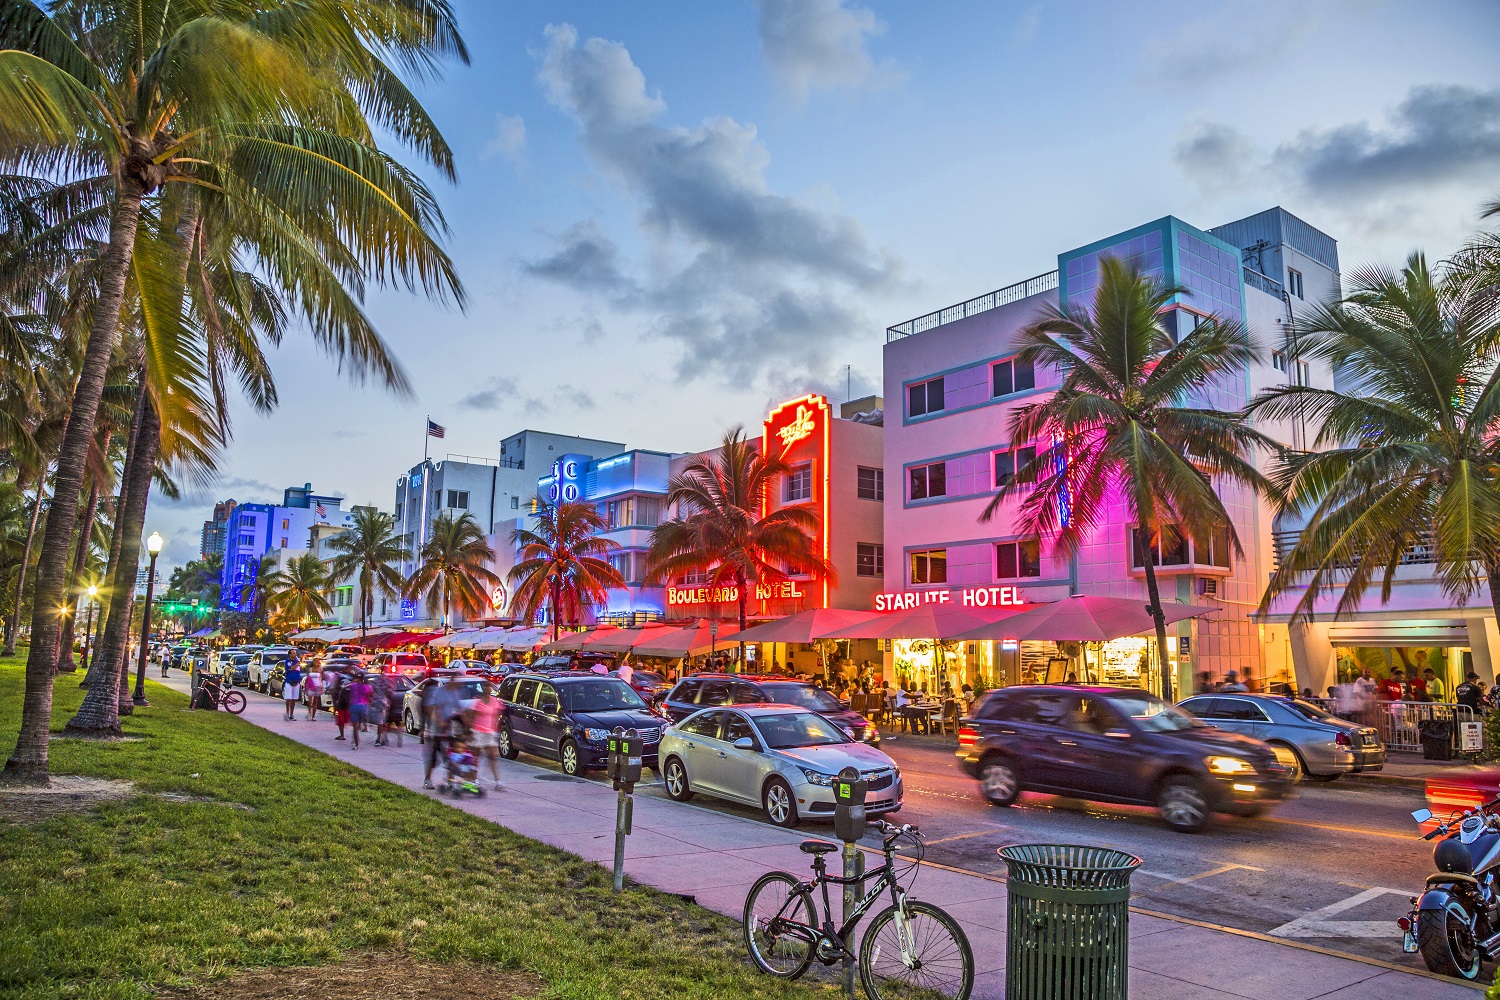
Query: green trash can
x,y
1068,922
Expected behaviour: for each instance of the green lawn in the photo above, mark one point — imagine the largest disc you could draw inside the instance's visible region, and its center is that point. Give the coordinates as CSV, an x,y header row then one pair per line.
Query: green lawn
x,y
153,891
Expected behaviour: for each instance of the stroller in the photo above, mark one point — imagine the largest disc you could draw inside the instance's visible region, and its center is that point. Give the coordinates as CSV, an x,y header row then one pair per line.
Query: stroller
x,y
463,768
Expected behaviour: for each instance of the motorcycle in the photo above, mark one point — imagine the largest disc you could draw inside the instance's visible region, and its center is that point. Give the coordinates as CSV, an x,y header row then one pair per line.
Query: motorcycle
x,y
1455,923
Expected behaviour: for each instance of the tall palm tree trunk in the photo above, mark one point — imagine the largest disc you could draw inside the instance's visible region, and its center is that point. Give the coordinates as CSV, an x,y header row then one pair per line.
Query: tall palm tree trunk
x,y
28,761
117,537
109,695
1160,618
65,664
556,596
14,625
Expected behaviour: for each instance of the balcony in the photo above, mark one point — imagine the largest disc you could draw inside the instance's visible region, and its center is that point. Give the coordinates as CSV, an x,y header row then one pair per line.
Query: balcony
x,y
990,300
1423,553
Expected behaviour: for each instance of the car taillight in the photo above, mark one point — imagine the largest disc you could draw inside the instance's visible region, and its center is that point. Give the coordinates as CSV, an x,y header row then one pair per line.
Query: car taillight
x,y
967,737
1342,739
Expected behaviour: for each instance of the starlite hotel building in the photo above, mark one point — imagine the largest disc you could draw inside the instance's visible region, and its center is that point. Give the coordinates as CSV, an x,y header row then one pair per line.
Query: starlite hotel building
x,y
954,386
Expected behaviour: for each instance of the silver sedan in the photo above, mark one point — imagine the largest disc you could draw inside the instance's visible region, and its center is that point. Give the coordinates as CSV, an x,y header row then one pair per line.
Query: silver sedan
x,y
781,758
1305,738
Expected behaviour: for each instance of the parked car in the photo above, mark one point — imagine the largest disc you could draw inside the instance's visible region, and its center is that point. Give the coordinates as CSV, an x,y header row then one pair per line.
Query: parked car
x,y
1116,745
484,667
347,649
410,664
263,662
650,685
220,660
567,716
1305,738
470,688
565,661
236,669
701,690
782,758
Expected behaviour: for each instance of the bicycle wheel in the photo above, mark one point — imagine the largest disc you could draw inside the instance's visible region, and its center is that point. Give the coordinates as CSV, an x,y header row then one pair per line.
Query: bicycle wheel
x,y
775,896
234,702
939,959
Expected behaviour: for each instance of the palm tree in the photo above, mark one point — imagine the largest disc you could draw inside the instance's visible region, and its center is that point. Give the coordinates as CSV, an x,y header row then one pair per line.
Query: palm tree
x,y
563,565
453,567
274,109
296,593
369,550
722,529
1407,452
1123,428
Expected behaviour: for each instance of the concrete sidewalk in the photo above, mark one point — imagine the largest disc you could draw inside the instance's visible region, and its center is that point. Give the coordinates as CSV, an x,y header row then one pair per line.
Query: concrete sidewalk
x,y
688,850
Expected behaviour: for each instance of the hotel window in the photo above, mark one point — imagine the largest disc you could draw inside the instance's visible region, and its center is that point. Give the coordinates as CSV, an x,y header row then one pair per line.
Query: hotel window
x,y
1015,462
1173,547
798,484
399,508
1018,560
247,540
458,499
515,503
283,541
285,523
930,566
1012,375
641,512
925,397
1296,371
929,481
1294,282
871,483
621,563
869,559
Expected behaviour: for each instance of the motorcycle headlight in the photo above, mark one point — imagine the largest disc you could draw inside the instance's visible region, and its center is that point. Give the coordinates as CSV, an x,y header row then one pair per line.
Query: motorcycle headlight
x,y
817,777
1229,766
596,735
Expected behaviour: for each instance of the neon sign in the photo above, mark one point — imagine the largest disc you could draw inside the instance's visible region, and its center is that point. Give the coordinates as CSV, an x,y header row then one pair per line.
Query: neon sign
x,y
567,475
789,590
969,597
800,427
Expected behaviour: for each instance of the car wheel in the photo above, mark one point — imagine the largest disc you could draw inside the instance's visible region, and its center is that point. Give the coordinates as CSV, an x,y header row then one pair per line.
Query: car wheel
x,y
1183,803
1335,776
780,805
676,780
1287,755
999,780
505,745
408,722
572,760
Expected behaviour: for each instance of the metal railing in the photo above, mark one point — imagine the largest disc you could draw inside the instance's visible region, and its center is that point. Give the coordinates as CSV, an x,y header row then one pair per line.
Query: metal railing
x,y
1255,279
1399,723
504,463
1422,553
983,303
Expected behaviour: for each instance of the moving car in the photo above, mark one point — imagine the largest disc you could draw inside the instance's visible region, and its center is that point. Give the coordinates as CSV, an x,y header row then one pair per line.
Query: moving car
x,y
567,716
469,688
1116,745
564,661
700,690
781,758
1305,738
410,664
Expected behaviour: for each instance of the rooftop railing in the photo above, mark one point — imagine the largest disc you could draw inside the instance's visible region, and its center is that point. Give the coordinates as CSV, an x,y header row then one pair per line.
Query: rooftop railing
x,y
1255,279
991,300
1423,553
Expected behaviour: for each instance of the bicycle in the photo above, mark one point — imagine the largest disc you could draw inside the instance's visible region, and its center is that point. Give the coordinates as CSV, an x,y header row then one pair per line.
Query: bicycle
x,y
231,701
911,947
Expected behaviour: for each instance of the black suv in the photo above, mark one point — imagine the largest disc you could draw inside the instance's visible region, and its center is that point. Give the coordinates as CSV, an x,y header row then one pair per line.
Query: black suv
x,y
1116,745
567,715
703,690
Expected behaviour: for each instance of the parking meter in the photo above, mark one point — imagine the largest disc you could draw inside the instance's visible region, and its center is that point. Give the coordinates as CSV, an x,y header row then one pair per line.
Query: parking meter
x,y
625,751
849,805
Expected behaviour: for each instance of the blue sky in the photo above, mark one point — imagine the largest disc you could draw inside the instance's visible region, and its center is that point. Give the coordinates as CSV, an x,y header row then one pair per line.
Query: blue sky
x,y
670,215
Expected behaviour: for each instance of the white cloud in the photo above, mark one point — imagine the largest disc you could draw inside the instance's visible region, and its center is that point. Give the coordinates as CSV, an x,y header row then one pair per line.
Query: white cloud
x,y
509,139
821,45
1233,38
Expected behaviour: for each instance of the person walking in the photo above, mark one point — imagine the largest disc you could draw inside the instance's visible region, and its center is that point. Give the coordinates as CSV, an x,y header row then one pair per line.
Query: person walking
x,y
380,703
339,690
393,717
1232,682
360,694
312,692
441,706
291,690
485,729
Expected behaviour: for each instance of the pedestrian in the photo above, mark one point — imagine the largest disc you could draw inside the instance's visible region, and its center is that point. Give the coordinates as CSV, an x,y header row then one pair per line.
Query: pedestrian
x,y
291,690
360,694
1470,692
1232,682
1433,685
485,729
340,693
312,692
1205,683
440,707
380,699
1393,688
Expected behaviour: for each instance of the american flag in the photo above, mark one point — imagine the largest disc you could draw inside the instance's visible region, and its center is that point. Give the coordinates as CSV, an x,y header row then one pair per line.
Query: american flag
x,y
321,510
435,430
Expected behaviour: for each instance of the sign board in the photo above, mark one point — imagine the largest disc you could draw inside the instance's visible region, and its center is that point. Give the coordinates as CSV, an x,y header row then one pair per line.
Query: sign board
x,y
1471,736
408,611
1184,645
969,597
497,598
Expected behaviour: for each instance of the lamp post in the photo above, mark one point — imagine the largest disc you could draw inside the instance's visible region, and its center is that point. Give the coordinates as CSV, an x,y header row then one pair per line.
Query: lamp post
x,y
153,546
88,631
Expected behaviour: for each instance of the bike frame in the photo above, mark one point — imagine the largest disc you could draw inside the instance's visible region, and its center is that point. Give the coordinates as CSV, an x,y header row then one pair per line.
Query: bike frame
x,y
884,877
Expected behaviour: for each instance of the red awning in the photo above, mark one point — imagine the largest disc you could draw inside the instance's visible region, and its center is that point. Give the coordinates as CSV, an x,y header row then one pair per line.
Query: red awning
x,y
399,639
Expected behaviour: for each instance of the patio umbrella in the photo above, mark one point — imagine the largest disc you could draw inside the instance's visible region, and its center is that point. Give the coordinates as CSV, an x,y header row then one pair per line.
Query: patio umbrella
x,y
515,641
625,639
818,623
688,641
1083,618
930,621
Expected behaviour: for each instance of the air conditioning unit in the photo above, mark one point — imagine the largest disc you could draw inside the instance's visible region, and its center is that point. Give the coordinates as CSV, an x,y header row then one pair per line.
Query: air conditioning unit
x,y
1207,586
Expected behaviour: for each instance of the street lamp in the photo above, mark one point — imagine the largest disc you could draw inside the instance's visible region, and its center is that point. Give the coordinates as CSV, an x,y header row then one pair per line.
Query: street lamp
x,y
88,631
153,546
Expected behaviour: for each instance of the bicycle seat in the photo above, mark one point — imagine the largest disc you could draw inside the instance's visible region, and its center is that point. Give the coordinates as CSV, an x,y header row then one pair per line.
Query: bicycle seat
x,y
818,847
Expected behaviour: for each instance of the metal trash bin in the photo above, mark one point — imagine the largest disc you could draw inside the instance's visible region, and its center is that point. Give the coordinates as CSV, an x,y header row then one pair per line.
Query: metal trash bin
x,y
1436,736
1068,922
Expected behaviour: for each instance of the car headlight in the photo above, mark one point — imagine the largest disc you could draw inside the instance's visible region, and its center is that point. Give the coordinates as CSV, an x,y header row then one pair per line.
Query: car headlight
x,y
596,735
817,777
1229,766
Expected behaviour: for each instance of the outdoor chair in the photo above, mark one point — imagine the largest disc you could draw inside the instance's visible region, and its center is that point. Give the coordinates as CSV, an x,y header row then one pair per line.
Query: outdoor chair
x,y
946,717
857,702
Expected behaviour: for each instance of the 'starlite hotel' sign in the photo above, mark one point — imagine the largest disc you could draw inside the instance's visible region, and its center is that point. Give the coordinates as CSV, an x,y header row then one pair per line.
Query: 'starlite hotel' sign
x,y
969,597
731,595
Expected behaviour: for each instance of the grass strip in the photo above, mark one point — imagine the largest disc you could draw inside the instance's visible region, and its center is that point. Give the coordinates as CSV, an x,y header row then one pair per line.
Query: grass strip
x,y
241,848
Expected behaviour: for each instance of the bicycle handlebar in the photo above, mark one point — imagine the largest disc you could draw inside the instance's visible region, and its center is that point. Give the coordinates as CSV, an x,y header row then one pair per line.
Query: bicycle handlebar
x,y
892,832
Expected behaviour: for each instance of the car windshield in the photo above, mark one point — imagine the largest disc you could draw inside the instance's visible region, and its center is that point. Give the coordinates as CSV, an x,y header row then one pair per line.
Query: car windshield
x,y
1308,710
799,729
802,695
648,677
607,694
1152,714
470,689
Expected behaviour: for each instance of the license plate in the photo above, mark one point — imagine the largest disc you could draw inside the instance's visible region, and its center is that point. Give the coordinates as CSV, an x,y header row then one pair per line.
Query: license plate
x,y
1409,943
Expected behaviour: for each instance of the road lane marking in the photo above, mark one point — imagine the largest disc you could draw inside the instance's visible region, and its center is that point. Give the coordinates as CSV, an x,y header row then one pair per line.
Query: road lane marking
x,y
1318,923
1177,880
1340,829
964,836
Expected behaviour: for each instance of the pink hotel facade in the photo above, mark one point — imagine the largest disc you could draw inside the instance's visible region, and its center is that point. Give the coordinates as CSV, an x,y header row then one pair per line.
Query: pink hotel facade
x,y
952,387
